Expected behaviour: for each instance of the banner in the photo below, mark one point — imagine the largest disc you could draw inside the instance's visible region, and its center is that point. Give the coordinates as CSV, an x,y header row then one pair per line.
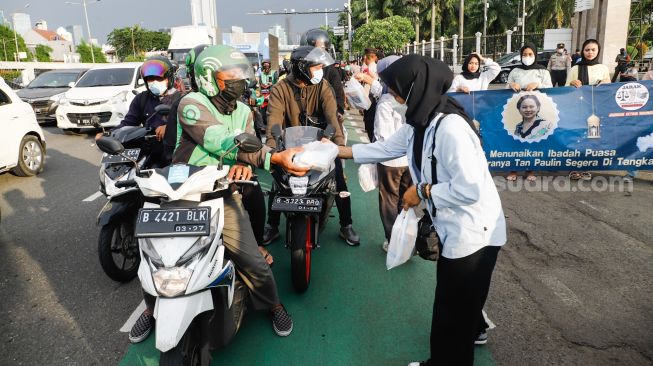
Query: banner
x,y
605,127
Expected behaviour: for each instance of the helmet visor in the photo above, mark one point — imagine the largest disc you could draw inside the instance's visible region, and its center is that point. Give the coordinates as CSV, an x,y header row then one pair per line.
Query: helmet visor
x,y
156,68
318,56
234,72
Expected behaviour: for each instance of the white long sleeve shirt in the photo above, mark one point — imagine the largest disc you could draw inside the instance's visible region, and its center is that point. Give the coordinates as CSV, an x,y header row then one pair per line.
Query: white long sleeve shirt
x,y
492,69
469,213
386,123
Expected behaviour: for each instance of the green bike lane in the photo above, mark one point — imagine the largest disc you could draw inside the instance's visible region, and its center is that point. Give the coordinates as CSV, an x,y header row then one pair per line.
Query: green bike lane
x,y
355,312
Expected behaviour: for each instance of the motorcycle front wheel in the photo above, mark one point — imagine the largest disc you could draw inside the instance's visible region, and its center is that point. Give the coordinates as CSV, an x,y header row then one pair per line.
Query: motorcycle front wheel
x,y
301,247
118,251
188,351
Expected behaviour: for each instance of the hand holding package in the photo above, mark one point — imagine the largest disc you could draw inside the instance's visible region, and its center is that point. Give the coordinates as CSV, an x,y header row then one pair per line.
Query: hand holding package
x,y
317,155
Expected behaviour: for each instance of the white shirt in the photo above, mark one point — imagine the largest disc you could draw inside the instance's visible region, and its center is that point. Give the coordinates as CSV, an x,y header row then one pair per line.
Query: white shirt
x,y
469,214
524,77
482,82
386,123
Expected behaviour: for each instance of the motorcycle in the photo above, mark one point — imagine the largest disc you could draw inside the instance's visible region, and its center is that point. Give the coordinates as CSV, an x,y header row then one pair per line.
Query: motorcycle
x,y
117,246
200,298
305,201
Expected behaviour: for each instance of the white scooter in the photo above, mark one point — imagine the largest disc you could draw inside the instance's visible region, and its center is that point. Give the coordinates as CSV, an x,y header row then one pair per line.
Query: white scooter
x,y
200,300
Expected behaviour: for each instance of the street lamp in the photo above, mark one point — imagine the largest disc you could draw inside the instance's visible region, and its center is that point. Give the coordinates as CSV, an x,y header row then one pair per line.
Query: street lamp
x,y
88,27
16,37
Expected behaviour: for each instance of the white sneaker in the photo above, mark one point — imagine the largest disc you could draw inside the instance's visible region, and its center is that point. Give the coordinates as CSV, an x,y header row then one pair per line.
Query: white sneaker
x,y
417,363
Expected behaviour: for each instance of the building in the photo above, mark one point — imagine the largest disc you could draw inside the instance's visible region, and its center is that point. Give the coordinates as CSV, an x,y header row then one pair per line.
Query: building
x,y
62,50
280,33
76,31
203,12
21,22
41,24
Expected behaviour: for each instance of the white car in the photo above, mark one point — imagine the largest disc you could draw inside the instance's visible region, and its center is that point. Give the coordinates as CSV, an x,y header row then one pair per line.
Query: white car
x,y
22,143
100,97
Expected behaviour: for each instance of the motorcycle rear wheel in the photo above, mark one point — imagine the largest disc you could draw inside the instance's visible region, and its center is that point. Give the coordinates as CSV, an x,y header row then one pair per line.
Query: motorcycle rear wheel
x,y
116,240
301,247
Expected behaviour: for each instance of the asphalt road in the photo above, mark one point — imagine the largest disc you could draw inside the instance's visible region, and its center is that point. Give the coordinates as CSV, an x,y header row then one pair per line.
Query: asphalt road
x,y
573,286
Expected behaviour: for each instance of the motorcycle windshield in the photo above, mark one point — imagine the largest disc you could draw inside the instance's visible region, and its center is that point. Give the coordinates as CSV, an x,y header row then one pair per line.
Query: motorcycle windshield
x,y
300,135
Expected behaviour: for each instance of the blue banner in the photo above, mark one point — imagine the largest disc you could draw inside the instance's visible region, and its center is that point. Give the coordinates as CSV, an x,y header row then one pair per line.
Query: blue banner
x,y
605,127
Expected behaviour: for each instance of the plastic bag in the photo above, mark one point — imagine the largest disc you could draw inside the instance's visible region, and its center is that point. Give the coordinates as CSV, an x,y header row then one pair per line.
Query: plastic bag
x,y
402,241
357,95
368,177
317,155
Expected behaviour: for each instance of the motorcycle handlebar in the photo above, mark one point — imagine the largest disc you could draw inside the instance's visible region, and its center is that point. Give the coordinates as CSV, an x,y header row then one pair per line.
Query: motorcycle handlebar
x,y
254,183
126,183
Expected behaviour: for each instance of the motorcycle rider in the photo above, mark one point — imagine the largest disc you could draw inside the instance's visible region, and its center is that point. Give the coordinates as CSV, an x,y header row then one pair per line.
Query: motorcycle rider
x,y
158,73
267,77
305,95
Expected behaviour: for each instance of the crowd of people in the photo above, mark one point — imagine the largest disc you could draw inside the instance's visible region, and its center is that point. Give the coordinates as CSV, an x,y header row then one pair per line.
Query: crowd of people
x,y
427,150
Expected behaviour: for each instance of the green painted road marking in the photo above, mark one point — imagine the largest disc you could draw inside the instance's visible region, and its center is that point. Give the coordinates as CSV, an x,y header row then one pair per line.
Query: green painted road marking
x,y
355,312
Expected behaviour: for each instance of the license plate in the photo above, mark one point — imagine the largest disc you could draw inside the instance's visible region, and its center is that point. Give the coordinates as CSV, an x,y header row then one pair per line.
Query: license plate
x,y
110,159
292,204
157,222
85,122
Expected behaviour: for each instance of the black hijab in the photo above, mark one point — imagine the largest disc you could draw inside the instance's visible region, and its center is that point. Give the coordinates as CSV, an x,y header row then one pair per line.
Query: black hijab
x,y
423,82
468,74
583,75
535,65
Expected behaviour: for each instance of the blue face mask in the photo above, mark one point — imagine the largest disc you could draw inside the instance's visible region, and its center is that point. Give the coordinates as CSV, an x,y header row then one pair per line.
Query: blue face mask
x,y
158,88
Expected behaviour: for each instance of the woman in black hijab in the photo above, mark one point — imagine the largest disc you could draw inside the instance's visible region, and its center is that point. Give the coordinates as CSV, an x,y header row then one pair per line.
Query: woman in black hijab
x,y
470,221
529,75
588,71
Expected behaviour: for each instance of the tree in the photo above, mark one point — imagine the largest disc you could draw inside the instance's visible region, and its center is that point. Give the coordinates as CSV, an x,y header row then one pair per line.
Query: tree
x,y
8,44
135,41
84,51
387,34
42,53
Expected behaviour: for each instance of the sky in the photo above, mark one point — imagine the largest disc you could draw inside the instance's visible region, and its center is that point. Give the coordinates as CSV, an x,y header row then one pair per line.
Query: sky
x,y
106,15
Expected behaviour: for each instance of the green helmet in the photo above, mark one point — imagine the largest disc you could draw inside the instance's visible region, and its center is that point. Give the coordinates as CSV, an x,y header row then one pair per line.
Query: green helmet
x,y
215,59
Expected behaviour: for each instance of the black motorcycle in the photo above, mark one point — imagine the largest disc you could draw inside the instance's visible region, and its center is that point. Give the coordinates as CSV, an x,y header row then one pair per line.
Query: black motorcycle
x,y
306,202
117,246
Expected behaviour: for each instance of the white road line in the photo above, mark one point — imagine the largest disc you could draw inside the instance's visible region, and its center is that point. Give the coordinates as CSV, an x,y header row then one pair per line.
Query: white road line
x,y
93,197
132,318
592,206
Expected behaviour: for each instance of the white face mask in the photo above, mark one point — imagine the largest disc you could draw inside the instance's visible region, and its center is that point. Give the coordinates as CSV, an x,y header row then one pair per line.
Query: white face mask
x,y
158,87
317,76
398,107
560,51
528,61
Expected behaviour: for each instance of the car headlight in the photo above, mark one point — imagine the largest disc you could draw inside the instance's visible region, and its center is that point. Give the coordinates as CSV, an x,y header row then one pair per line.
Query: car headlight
x,y
170,282
119,98
55,98
63,100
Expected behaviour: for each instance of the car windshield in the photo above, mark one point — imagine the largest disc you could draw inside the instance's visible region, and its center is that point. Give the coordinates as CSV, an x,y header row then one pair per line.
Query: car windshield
x,y
106,77
53,80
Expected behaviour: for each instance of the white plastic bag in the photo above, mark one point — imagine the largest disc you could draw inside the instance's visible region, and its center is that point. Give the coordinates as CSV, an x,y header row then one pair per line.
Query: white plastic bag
x,y
317,155
402,241
357,95
368,177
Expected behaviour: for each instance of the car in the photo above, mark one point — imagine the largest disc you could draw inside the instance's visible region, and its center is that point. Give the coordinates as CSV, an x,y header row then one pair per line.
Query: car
x,y
100,98
513,59
43,93
22,143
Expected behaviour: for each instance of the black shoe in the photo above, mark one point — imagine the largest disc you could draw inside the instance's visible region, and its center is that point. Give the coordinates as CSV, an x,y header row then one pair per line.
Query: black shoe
x,y
141,328
270,234
481,338
350,236
281,321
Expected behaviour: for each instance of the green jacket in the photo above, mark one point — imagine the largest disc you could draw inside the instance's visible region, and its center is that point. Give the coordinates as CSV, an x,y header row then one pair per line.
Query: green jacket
x,y
203,133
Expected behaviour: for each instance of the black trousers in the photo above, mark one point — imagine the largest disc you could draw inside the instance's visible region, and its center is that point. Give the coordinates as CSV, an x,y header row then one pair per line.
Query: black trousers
x,y
393,183
368,119
460,293
343,204
558,77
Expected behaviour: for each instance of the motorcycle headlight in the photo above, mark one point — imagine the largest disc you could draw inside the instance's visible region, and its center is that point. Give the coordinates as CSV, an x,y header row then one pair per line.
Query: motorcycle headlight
x,y
119,98
170,282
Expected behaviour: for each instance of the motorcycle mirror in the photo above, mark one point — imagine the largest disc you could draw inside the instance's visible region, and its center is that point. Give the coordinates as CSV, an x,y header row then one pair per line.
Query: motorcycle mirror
x,y
71,84
110,145
134,91
329,132
162,109
248,143
276,131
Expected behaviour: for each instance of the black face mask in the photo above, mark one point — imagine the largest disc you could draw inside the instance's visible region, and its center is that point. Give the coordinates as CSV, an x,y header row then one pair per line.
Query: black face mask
x,y
233,89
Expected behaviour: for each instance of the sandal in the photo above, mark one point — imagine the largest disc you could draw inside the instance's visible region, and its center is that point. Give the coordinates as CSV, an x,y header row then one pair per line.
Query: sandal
x,y
511,177
531,178
574,175
269,259
586,176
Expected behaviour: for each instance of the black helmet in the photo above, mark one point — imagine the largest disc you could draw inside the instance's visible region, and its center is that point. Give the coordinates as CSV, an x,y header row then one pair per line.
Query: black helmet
x,y
304,57
317,38
191,56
